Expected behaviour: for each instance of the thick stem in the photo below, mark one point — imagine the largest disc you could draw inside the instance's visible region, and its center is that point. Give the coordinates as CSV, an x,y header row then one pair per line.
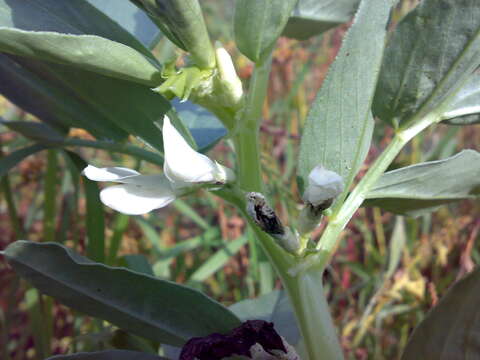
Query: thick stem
x,y
313,315
246,138
305,291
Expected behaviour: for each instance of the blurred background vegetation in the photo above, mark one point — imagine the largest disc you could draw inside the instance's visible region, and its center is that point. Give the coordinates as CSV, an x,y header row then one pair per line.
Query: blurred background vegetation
x,y
388,272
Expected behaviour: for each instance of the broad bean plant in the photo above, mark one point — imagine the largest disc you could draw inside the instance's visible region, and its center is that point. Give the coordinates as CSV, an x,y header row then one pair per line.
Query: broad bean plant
x,y
88,65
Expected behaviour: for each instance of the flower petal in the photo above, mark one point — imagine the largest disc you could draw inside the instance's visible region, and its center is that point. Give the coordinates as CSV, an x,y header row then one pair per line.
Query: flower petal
x,y
182,163
109,173
133,199
323,185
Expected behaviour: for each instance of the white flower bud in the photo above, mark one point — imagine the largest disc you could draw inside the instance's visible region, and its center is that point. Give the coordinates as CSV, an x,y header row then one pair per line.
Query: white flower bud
x,y
323,186
229,79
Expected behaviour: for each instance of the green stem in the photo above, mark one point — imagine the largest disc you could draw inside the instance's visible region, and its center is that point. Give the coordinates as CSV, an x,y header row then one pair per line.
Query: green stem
x,y
6,188
246,138
305,290
313,314
339,219
308,301
12,210
50,195
121,224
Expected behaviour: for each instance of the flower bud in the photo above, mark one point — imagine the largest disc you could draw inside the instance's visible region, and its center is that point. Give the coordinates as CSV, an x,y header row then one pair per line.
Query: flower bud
x,y
265,217
323,187
228,79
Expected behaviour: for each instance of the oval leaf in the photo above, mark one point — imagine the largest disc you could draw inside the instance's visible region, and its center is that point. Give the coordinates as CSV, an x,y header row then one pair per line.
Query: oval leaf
x,y
67,17
132,108
155,309
258,24
465,107
108,355
108,108
75,33
450,330
339,126
312,17
431,54
88,52
51,104
421,187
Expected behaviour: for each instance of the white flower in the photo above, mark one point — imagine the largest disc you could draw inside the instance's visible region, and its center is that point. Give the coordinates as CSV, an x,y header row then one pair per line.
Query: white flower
x,y
323,185
139,194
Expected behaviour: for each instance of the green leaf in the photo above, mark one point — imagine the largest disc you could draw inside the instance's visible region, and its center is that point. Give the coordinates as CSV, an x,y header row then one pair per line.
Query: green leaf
x,y
132,19
109,355
155,309
9,161
273,307
465,107
450,330
167,255
258,24
464,120
188,211
46,135
102,105
95,215
313,17
35,130
52,104
218,260
396,246
88,52
430,56
99,112
68,17
131,107
339,125
40,321
419,188
138,263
